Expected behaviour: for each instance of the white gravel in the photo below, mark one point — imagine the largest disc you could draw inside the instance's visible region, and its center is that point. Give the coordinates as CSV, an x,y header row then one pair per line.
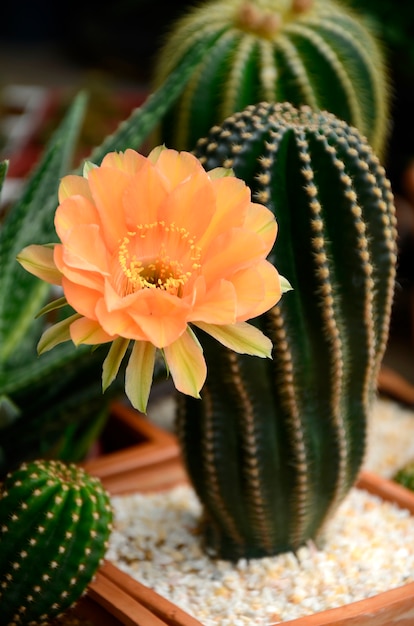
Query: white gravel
x,y
156,541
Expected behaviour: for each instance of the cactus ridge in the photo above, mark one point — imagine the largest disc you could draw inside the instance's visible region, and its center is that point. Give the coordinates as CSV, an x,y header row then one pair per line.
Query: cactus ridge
x,y
322,56
282,441
55,522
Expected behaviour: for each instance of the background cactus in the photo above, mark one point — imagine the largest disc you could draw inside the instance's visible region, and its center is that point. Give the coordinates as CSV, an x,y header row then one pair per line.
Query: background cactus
x,y
314,52
274,445
55,522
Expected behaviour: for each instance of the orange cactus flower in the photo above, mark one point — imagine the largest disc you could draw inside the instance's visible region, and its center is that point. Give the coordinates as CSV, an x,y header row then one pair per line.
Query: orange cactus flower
x,y
150,248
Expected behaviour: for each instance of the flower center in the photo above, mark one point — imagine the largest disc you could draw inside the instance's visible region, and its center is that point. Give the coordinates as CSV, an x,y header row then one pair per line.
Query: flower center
x,y
156,256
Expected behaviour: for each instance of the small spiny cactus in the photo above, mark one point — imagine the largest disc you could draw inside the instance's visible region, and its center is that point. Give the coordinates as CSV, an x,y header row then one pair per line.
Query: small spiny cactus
x,y
314,52
55,522
274,445
405,476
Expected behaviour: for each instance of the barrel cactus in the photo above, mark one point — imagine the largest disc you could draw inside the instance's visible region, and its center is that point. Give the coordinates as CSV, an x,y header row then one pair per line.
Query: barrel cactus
x,y
313,52
274,446
55,521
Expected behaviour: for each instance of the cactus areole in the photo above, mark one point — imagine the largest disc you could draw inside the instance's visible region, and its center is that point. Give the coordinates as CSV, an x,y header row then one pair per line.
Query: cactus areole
x,y
55,522
314,52
274,445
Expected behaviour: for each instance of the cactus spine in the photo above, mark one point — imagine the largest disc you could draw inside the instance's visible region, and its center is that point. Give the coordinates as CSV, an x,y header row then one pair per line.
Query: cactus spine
x,y
313,52
274,445
55,521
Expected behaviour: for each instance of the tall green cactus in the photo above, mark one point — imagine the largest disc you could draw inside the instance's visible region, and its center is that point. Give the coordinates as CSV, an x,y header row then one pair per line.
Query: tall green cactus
x,y
314,52
55,522
274,445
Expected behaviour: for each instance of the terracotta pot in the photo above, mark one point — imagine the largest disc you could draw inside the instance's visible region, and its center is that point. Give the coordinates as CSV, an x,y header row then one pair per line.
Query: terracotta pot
x,y
128,602
115,599
136,454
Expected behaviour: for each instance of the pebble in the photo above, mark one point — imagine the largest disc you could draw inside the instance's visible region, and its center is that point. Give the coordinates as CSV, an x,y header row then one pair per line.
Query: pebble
x,y
156,541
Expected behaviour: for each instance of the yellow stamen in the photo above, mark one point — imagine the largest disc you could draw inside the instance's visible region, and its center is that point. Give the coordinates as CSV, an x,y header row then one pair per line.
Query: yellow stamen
x,y
156,256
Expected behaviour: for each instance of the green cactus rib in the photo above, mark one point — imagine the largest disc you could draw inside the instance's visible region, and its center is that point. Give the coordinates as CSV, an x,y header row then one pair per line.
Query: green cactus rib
x,y
272,50
274,445
55,522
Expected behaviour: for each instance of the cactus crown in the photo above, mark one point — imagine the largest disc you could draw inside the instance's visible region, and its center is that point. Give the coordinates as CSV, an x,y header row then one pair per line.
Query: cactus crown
x,y
313,52
274,446
55,521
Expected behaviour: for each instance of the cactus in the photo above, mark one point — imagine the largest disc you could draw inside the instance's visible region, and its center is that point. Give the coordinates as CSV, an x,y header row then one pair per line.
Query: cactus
x,y
314,52
274,445
55,521
405,476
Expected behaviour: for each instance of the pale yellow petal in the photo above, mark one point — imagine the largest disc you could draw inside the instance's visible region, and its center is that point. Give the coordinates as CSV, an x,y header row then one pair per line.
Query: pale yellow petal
x,y
38,260
220,172
154,155
113,361
52,306
186,364
241,337
56,334
139,373
285,284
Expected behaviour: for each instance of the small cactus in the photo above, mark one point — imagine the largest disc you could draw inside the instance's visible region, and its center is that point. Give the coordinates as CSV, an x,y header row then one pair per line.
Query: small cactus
x,y
314,52
55,522
274,446
405,476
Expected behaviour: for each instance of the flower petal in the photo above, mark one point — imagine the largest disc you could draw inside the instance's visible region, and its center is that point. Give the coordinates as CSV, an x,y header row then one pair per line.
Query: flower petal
x,y
261,220
59,303
88,331
234,250
258,289
143,196
38,260
73,212
82,299
220,172
285,284
241,337
73,185
139,373
107,187
215,306
179,208
232,198
56,334
129,161
178,166
162,317
84,250
186,363
113,361
118,321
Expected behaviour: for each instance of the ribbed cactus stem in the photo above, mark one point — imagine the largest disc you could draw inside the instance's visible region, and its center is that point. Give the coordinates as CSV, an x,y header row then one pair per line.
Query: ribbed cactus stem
x,y
274,445
55,521
314,52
